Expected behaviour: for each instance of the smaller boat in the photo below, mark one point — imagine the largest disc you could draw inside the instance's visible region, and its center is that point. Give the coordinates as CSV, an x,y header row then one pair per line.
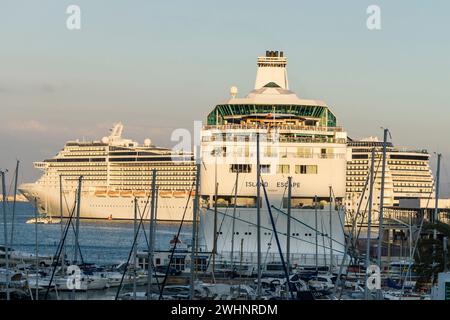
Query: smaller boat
x,y
85,282
43,220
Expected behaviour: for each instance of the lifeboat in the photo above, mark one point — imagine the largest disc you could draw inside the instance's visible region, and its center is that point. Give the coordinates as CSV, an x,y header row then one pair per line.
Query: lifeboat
x,y
165,194
113,193
192,193
126,193
139,193
100,193
179,194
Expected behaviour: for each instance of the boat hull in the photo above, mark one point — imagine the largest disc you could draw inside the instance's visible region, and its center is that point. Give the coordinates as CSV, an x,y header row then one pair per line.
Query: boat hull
x,y
112,208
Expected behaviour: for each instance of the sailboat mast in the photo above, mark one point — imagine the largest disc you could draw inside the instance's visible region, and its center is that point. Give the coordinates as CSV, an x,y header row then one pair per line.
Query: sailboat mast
x,y
5,229
331,229
194,224
36,252
317,235
16,177
380,227
135,246
215,225
258,213
77,222
436,200
288,227
369,219
151,236
233,223
61,222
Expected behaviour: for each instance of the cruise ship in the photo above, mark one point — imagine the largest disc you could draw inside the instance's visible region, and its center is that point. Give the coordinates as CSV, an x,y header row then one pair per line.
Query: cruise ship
x,y
115,172
408,176
299,138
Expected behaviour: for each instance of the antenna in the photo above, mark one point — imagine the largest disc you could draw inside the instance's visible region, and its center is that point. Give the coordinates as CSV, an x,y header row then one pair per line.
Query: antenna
x,y
233,92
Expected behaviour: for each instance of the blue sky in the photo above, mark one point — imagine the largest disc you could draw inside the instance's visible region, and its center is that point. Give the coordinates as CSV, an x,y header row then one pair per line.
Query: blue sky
x,y
160,65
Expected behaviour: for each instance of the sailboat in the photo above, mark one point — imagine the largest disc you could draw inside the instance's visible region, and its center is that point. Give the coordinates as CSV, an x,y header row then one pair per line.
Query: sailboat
x,y
44,220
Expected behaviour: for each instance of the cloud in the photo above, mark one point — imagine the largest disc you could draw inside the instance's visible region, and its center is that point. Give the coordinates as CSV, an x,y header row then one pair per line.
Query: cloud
x,y
32,126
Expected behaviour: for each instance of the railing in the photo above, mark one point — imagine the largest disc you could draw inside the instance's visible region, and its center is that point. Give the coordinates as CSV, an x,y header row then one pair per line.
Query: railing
x,y
279,139
266,127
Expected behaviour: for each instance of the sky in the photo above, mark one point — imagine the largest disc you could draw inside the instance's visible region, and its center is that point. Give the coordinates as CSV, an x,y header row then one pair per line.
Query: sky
x,y
161,65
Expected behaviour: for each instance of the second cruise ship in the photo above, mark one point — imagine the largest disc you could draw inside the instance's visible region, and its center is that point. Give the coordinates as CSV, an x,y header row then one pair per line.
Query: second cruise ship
x,y
115,171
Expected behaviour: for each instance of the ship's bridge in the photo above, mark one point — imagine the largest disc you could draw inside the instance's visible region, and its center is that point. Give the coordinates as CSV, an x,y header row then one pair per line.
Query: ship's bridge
x,y
275,104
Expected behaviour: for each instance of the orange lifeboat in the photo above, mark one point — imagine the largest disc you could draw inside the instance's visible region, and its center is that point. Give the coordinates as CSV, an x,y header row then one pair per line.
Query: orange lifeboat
x,y
165,194
113,193
179,194
192,193
139,193
126,193
100,193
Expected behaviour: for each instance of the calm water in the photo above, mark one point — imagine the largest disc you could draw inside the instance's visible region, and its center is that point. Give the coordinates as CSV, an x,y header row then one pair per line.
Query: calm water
x,y
101,241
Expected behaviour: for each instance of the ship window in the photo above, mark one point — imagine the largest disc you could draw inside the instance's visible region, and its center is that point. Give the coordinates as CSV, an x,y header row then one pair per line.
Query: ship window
x,y
265,168
306,169
241,168
304,152
283,169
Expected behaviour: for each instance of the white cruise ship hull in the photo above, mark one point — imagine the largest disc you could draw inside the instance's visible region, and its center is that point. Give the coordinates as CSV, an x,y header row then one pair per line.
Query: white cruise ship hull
x,y
303,235
105,207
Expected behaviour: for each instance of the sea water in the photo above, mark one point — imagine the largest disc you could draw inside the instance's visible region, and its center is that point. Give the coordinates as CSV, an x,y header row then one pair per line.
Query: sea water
x,y
101,241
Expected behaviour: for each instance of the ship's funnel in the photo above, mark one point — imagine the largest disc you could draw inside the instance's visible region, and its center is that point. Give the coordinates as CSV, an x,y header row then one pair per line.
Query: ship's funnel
x,y
272,68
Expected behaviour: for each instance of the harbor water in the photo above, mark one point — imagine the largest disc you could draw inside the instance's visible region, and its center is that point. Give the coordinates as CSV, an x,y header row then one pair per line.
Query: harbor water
x,y
101,241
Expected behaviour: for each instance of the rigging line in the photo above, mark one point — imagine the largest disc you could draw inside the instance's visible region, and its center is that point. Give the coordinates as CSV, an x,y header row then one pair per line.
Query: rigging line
x,y
266,228
145,232
142,214
280,252
271,239
339,216
367,203
237,211
73,228
59,253
11,183
323,240
272,234
132,249
220,228
417,239
175,245
226,209
308,226
223,219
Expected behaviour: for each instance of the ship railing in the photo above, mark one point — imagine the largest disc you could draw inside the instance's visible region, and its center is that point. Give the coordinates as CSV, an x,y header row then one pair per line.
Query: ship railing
x,y
266,127
281,139
273,154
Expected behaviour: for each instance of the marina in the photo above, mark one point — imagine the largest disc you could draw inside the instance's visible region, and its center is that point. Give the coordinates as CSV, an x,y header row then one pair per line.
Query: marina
x,y
276,202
